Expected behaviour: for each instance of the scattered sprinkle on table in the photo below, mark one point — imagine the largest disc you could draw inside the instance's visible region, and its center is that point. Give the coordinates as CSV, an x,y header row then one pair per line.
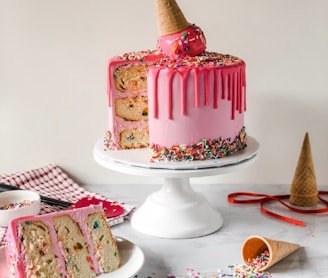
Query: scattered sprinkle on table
x,y
237,271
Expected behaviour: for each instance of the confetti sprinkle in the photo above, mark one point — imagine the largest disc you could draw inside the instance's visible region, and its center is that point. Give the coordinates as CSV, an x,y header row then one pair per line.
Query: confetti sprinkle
x,y
249,270
21,204
205,149
206,59
108,141
137,55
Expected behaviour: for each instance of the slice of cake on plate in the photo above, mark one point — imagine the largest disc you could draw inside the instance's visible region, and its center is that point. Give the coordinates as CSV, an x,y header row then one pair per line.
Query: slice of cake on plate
x,y
72,243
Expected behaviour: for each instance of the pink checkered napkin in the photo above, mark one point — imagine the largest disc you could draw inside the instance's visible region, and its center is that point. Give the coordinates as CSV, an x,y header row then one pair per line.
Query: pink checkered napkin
x,y
52,182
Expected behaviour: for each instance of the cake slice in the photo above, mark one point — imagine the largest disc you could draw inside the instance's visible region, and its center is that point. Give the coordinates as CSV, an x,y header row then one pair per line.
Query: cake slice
x,y
73,243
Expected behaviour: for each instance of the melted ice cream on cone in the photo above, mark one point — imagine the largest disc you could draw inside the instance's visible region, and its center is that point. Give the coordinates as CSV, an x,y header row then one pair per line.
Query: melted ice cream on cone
x,y
177,36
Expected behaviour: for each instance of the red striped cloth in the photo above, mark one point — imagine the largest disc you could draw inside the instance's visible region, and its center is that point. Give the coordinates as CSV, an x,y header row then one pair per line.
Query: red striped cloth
x,y
51,181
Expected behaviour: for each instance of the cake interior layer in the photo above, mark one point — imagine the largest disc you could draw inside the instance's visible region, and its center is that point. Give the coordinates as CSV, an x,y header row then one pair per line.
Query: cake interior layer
x,y
130,78
74,247
105,245
36,243
132,109
134,138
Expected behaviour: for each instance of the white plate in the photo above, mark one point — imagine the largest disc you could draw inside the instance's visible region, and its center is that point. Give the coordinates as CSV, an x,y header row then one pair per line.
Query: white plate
x,y
132,260
140,157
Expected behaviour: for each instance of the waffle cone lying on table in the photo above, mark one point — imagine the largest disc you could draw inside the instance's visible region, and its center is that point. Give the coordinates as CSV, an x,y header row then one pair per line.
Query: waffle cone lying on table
x,y
272,250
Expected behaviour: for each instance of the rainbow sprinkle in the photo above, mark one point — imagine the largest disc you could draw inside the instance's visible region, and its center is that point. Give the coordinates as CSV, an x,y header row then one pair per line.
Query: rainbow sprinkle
x,y
107,140
206,59
249,270
242,271
252,268
16,205
203,150
259,261
136,55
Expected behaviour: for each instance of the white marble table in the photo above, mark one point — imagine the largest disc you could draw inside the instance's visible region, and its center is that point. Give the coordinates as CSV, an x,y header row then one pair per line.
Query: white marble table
x,y
223,248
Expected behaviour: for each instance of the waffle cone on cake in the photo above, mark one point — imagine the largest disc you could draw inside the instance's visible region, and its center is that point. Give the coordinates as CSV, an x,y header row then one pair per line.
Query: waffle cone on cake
x,y
170,19
303,190
278,250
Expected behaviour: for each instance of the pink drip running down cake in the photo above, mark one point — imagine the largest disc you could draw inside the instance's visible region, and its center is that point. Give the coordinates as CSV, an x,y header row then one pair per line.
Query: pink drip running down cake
x,y
180,100
72,243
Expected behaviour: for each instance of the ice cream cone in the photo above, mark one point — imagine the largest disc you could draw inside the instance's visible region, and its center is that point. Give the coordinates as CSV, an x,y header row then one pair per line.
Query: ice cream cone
x,y
170,19
278,250
303,190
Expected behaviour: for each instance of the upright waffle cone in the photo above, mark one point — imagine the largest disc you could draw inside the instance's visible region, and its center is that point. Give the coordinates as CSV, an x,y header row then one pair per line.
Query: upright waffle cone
x,y
170,19
278,250
303,190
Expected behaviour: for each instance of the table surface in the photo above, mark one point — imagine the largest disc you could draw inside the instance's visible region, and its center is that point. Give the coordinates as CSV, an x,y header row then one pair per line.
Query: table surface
x,y
216,252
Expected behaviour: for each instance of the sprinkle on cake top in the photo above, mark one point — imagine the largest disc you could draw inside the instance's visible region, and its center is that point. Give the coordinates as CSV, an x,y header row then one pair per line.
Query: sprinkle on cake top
x,y
137,55
207,59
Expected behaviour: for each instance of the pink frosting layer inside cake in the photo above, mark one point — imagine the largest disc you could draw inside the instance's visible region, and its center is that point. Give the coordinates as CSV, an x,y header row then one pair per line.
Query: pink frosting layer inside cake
x,y
14,252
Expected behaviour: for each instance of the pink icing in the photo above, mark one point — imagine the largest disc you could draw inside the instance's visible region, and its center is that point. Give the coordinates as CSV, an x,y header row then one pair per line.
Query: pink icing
x,y
188,42
14,252
233,76
196,100
189,98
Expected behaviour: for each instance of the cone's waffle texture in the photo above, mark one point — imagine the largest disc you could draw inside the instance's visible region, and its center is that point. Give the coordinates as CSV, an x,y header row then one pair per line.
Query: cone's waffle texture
x,y
170,19
303,190
278,249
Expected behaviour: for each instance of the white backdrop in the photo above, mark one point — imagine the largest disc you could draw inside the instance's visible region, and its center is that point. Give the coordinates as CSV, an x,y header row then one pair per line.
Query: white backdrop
x,y
53,59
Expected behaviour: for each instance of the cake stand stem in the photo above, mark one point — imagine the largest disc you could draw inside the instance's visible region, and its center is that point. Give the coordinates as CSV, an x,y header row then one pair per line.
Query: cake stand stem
x,y
177,190
176,211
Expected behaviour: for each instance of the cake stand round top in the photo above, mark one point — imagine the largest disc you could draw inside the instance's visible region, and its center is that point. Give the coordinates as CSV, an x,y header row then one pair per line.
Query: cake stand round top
x,y
137,162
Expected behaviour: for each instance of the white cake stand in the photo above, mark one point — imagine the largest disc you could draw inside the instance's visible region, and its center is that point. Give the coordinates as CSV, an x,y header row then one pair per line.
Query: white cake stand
x,y
176,210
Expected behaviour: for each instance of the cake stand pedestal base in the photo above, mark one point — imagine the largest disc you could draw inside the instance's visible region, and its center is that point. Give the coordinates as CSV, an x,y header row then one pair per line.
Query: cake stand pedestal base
x,y
176,211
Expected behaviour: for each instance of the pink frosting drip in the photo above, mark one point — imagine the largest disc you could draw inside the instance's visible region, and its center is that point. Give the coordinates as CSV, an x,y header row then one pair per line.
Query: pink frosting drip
x,y
232,81
188,42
